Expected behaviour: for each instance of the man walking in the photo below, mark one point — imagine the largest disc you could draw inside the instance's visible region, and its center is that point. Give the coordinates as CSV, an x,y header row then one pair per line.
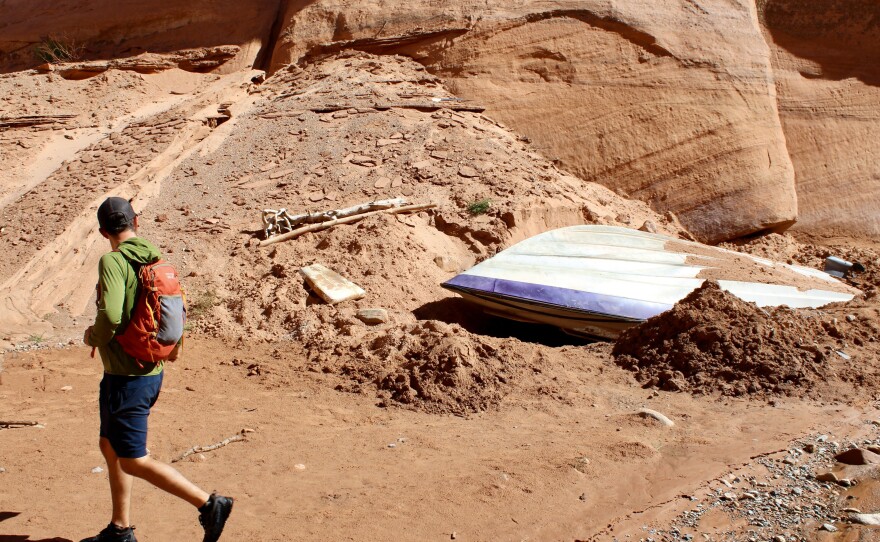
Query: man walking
x,y
131,386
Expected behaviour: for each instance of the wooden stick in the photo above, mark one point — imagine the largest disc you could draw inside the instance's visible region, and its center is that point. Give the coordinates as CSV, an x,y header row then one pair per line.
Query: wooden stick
x,y
324,216
329,224
201,449
18,424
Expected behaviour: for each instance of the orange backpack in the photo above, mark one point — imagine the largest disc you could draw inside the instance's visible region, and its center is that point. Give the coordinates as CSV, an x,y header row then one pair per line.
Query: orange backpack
x,y
158,316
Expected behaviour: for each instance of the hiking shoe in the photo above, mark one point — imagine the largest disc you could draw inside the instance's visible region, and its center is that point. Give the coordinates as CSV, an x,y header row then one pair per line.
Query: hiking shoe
x,y
213,515
113,534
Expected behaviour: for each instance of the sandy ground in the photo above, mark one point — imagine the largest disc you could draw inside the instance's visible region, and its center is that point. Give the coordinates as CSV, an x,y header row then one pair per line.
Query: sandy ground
x,y
329,465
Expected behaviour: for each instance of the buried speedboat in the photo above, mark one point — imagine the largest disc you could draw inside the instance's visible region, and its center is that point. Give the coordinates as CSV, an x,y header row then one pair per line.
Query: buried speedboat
x,y
597,281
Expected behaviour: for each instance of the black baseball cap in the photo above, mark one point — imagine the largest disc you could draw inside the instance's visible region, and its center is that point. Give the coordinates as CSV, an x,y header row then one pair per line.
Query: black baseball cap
x,y
115,215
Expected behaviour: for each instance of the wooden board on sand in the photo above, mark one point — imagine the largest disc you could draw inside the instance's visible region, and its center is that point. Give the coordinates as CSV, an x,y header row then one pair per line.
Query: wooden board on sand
x,y
330,285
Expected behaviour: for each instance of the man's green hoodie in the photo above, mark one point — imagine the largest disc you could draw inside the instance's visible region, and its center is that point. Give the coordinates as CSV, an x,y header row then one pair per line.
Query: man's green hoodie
x,y
117,292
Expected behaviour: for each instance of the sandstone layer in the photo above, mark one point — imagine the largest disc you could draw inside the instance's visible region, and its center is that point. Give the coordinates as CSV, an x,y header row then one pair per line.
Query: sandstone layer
x,y
736,117
826,60
673,105
107,29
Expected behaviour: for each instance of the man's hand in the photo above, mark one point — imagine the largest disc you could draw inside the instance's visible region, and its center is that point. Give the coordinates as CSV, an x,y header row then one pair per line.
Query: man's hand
x,y
87,335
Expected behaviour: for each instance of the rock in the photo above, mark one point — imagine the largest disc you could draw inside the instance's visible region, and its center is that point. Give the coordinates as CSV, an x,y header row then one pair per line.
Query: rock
x,y
299,466
865,519
648,413
66,388
649,227
809,448
161,218
828,527
246,430
468,172
361,160
446,263
316,196
779,538
386,142
858,456
97,470
382,182
266,167
372,317
729,496
282,173
827,477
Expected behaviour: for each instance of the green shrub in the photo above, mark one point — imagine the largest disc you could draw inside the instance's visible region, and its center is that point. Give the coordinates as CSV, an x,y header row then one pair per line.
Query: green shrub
x,y
479,207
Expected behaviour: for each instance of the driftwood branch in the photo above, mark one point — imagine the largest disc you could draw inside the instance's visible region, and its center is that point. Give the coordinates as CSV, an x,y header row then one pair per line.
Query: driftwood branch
x,y
281,222
202,449
18,424
329,224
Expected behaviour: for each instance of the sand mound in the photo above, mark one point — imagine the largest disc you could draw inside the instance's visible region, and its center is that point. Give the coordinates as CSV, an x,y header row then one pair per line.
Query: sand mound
x,y
712,341
429,366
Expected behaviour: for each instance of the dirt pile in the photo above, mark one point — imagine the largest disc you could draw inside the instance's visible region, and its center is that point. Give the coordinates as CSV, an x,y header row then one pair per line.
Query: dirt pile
x,y
712,341
347,130
429,366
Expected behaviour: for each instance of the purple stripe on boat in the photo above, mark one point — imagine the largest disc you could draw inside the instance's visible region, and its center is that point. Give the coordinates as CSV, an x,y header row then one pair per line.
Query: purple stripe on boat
x,y
563,297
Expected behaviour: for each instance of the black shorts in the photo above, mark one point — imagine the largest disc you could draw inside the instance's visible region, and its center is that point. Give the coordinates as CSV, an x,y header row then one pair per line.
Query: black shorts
x,y
125,403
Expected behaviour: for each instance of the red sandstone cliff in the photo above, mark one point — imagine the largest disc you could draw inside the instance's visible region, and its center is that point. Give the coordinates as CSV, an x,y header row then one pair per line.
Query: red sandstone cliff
x,y
736,118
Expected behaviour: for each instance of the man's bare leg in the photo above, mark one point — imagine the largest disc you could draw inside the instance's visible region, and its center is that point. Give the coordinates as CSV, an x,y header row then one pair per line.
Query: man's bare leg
x,y
120,485
165,477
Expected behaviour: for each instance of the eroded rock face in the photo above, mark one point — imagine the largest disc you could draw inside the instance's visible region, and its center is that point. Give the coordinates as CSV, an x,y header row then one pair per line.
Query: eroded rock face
x,y
106,29
826,60
735,117
670,104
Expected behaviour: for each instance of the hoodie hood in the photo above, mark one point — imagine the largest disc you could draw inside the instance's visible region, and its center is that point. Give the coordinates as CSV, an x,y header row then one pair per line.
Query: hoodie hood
x,y
138,249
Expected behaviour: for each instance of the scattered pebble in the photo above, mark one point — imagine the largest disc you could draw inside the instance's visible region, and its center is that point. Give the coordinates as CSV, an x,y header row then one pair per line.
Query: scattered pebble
x,y
97,470
372,317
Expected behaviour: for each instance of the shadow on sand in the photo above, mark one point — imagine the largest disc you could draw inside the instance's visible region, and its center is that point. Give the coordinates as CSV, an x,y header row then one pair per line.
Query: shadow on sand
x,y
454,310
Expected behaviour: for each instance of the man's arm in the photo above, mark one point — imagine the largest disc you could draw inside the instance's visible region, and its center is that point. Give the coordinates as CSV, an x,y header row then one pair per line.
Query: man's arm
x,y
111,296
